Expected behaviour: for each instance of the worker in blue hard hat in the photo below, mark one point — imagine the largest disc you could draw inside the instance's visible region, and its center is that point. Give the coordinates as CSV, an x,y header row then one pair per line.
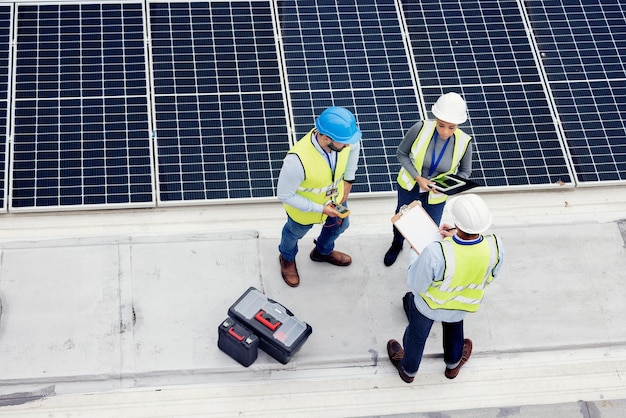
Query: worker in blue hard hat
x,y
316,175
429,150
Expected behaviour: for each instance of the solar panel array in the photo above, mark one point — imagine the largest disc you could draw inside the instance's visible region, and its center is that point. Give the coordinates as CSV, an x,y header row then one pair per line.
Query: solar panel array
x,y
583,48
481,49
220,112
170,102
352,54
5,55
81,125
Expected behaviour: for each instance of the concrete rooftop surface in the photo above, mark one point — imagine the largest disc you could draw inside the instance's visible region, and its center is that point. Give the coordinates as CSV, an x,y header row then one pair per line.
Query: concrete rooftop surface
x,y
115,314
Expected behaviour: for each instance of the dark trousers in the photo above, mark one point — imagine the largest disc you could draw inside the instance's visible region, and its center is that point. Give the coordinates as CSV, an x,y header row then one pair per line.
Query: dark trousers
x,y
294,232
416,334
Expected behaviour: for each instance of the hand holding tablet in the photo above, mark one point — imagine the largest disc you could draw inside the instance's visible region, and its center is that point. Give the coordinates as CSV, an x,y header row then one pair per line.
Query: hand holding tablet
x,y
452,184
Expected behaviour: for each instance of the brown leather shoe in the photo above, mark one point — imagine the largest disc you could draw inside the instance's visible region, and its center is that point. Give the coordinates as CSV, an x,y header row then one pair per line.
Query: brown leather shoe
x,y
336,258
289,271
467,351
396,353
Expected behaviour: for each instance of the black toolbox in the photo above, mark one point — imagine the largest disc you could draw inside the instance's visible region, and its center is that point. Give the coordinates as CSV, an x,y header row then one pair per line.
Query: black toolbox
x,y
280,333
238,342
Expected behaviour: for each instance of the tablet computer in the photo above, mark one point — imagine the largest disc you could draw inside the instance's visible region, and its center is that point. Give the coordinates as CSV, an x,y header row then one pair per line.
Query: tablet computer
x,y
452,184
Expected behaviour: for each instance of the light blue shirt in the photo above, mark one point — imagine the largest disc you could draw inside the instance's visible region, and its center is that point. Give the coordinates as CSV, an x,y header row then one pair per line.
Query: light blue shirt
x,y
428,267
292,175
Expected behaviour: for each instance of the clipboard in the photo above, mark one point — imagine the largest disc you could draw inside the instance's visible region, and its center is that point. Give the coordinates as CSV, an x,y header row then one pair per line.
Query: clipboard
x,y
417,227
452,184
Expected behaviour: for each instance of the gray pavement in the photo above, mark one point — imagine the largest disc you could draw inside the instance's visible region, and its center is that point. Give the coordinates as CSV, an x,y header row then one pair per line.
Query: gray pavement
x,y
116,313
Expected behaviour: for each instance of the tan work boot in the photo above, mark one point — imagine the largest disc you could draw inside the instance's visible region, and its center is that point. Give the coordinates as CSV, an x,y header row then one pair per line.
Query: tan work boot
x,y
289,271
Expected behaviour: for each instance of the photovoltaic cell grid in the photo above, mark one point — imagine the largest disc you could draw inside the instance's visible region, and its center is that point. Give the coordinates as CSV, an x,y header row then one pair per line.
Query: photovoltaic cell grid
x,y
5,48
81,116
583,49
221,122
81,131
481,50
352,54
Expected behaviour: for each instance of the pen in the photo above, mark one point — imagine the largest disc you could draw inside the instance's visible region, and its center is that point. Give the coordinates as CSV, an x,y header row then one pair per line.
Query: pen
x,y
449,229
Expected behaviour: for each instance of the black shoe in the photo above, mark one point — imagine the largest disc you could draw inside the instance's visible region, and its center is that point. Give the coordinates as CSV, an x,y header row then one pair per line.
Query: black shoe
x,y
406,299
392,254
336,258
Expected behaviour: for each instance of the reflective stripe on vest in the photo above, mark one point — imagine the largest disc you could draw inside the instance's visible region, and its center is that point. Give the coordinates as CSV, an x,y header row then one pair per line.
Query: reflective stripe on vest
x,y
325,190
318,185
465,276
418,153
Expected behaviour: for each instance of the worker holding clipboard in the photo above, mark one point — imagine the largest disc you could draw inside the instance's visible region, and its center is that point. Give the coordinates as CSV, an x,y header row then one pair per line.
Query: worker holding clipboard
x,y
436,160
447,281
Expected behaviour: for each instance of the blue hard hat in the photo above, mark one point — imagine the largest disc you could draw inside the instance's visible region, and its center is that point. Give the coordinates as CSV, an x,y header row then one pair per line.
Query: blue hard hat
x,y
339,124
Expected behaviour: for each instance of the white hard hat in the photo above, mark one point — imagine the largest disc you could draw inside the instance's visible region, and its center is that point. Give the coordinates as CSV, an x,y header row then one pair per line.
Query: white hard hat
x,y
470,214
450,108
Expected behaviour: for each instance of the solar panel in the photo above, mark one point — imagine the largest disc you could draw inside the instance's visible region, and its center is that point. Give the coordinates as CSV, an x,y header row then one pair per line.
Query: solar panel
x,y
481,50
81,125
582,48
233,83
5,49
221,121
352,54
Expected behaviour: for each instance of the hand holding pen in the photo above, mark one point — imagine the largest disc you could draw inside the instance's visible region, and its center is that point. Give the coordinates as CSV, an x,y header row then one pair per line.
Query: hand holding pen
x,y
447,230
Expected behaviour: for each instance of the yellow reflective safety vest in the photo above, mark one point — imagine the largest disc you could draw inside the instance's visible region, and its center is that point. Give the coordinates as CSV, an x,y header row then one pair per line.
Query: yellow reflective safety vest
x,y
467,273
320,184
418,153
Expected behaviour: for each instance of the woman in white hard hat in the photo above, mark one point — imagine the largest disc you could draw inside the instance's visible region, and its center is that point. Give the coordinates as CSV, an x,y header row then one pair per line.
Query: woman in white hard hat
x,y
430,149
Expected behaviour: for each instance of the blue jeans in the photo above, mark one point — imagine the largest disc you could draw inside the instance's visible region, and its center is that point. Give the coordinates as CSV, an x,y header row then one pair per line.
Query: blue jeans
x,y
293,232
416,334
405,197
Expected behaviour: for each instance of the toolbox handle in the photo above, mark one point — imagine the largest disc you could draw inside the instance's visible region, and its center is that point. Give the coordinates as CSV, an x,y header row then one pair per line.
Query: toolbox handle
x,y
261,318
286,310
231,332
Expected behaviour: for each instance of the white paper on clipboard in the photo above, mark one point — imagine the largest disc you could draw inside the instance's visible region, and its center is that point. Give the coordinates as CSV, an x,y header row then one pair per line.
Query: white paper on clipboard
x,y
417,227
